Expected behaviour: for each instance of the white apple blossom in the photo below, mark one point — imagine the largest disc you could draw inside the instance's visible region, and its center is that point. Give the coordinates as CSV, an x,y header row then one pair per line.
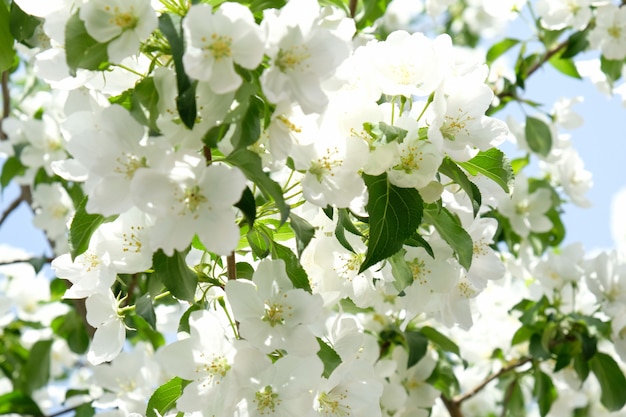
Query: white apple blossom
x,y
216,40
122,23
53,209
559,14
187,198
559,269
274,315
609,32
108,340
527,211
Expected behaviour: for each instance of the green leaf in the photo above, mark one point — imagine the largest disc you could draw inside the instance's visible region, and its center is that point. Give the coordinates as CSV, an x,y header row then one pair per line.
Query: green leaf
x,y
81,50
145,100
492,164
329,357
344,222
247,205
450,229
259,242
500,48
383,132
402,274
186,99
249,127
85,410
452,170
145,309
164,398
394,215
22,25
581,366
141,330
444,379
515,397
183,323
440,340
17,402
36,373
416,240
611,381
544,391
538,136
250,164
174,273
82,227
565,66
244,270
417,346
611,68
11,168
7,53
576,43
71,327
295,272
372,10
303,230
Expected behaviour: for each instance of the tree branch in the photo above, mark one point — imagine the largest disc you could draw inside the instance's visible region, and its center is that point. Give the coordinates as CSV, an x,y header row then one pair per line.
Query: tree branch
x,y
231,266
460,398
353,4
6,102
25,195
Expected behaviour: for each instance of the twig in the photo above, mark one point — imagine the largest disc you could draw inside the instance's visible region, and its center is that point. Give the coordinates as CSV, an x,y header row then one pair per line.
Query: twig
x,y
67,410
15,204
453,407
6,102
460,398
17,261
353,4
231,266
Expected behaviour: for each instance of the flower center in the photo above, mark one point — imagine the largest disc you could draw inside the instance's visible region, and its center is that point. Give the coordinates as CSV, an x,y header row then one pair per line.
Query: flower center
x,y
325,164
220,46
410,160
331,404
615,32
266,400
131,242
128,164
419,271
193,199
292,58
454,125
123,20
273,314
215,369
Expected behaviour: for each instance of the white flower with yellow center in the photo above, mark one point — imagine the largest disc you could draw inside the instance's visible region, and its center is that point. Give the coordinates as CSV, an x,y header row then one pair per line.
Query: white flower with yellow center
x,y
189,198
272,314
609,33
215,41
125,23
102,314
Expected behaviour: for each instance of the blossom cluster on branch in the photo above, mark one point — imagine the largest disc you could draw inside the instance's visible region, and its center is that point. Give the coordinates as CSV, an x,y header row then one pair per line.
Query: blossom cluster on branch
x,y
301,208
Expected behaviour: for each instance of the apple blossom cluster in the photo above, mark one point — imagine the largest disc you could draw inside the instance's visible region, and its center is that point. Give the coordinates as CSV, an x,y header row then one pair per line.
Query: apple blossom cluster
x,y
283,209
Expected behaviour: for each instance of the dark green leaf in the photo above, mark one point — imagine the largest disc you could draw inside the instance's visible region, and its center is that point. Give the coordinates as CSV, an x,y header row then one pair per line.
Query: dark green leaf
x,y
452,170
329,358
449,228
440,340
174,273
146,99
500,48
215,134
82,227
576,43
444,379
611,381
17,402
417,346
544,391
402,274
492,164
36,373
145,309
416,240
183,323
538,136
536,348
244,270
295,272
11,168
303,230
515,400
186,99
581,366
141,330
249,128
22,25
164,398
85,410
7,53
247,205
71,327
394,215
81,50
250,164
522,334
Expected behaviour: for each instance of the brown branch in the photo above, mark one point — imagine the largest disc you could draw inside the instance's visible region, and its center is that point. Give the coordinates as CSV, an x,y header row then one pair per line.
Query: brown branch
x,y
353,4
453,407
460,398
6,102
14,205
549,54
231,266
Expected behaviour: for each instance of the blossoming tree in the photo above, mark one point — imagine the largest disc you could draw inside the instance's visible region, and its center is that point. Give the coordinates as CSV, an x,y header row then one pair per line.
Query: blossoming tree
x,y
300,208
